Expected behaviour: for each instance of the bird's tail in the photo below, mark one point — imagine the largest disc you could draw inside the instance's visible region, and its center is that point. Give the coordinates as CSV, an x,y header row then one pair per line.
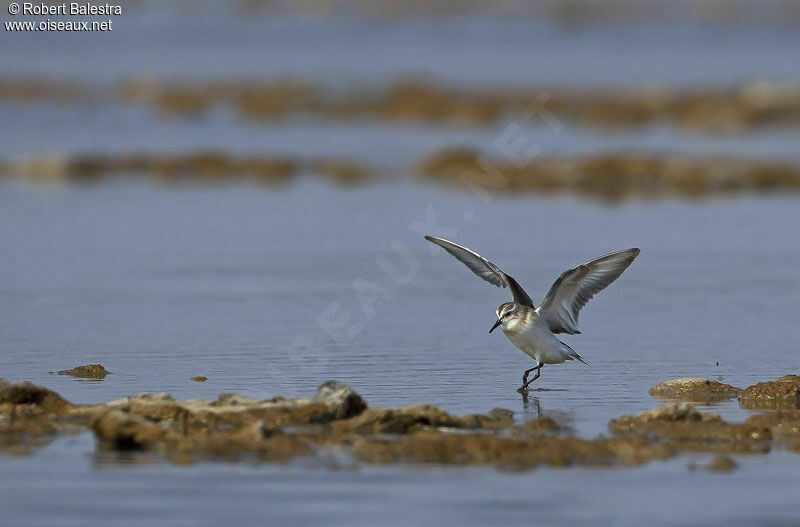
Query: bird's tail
x,y
571,353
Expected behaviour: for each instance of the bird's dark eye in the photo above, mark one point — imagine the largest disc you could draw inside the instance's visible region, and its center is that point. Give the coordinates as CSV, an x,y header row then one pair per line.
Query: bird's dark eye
x,y
506,314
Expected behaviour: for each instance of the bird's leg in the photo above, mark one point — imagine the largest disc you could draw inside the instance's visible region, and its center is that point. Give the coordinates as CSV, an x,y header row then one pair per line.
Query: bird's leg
x,y
525,375
525,381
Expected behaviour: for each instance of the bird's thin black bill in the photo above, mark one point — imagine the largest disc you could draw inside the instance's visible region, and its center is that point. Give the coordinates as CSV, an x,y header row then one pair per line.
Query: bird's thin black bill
x,y
495,326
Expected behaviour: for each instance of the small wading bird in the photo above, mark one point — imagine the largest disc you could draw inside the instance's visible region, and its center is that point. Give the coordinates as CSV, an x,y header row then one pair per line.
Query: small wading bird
x,y
533,329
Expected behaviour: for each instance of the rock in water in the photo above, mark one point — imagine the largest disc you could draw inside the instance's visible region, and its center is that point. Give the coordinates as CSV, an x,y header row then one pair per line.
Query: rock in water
x,y
694,389
41,399
783,393
117,430
344,401
90,371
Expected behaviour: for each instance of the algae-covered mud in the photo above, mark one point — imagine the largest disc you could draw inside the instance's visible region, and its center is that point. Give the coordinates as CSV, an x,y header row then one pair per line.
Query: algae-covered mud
x,y
614,176
90,371
338,419
756,104
607,177
204,167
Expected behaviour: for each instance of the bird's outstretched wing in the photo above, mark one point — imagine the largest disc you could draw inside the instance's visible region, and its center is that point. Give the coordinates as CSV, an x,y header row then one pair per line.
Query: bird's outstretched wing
x,y
484,268
577,286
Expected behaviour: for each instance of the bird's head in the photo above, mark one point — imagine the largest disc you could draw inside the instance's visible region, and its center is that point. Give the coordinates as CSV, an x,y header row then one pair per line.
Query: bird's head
x,y
506,313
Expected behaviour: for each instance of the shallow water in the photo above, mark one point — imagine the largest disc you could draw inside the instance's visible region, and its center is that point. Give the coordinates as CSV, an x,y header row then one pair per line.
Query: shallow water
x,y
160,284
59,490
236,283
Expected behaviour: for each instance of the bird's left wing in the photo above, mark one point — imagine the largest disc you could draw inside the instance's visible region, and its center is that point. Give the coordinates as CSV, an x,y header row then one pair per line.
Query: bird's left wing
x,y
484,268
575,287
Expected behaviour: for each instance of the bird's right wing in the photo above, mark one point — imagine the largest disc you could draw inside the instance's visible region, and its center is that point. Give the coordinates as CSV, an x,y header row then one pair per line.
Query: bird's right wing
x,y
484,268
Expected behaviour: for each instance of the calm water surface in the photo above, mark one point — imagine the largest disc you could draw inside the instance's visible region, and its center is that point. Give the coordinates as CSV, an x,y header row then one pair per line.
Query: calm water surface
x,y
236,283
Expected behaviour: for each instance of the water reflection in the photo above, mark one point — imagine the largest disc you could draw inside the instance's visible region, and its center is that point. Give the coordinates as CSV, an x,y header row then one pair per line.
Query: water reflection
x,y
532,409
112,459
531,405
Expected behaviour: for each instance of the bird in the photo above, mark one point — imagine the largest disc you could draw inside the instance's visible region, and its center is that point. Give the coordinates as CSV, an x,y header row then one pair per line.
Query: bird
x,y
533,329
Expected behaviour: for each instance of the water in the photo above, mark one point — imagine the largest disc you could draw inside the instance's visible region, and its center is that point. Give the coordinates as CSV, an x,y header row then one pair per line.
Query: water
x,y
161,284
62,491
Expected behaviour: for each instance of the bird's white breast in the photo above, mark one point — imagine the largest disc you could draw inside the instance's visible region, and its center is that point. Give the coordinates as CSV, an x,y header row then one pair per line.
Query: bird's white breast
x,y
533,337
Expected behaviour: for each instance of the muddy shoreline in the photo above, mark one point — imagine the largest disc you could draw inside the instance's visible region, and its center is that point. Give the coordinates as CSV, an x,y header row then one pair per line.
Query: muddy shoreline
x,y
337,419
